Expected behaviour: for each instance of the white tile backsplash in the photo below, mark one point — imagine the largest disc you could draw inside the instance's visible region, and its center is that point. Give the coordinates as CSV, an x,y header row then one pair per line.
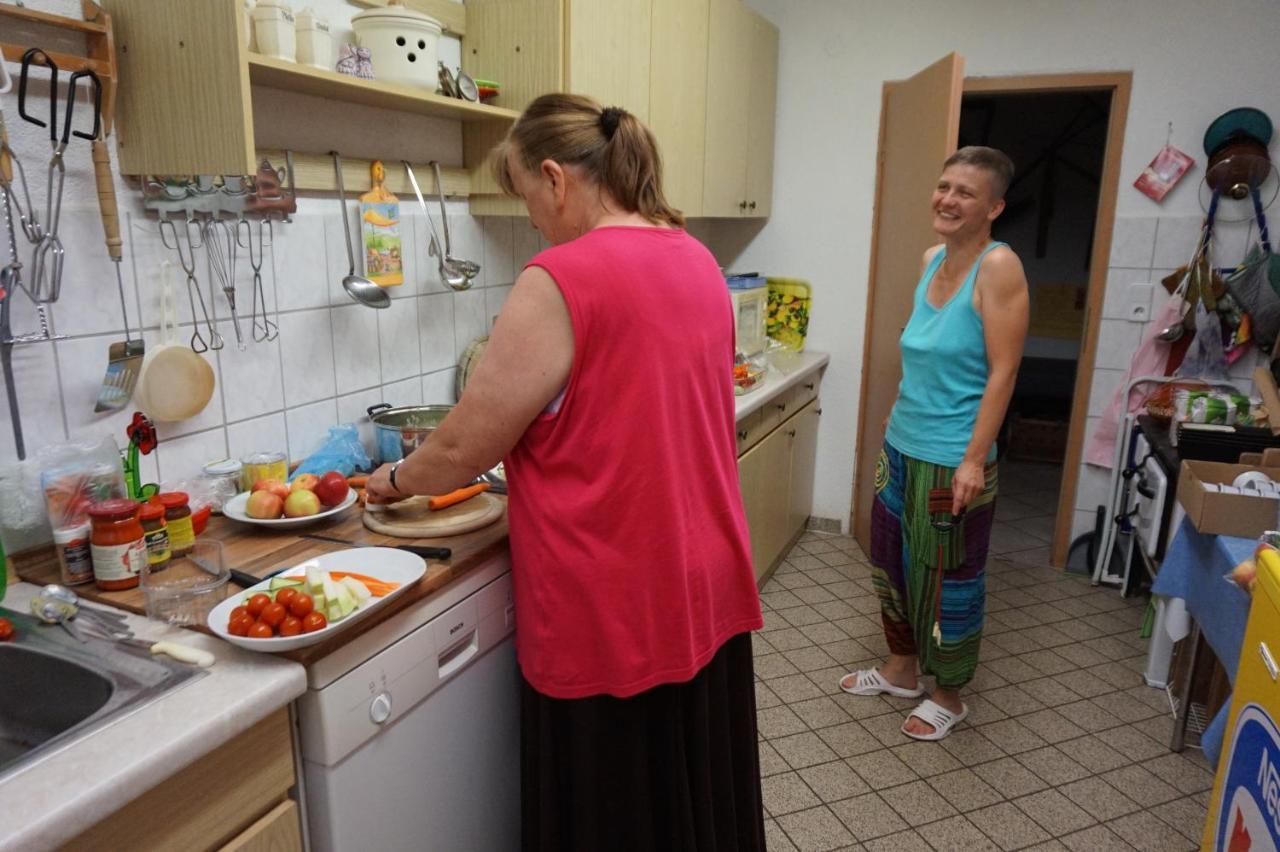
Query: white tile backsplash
x,y
405,392
261,434
89,302
470,319
354,408
1176,238
302,275
499,264
1132,242
308,426
1117,341
185,457
306,343
439,388
356,343
1105,382
398,340
251,379
435,331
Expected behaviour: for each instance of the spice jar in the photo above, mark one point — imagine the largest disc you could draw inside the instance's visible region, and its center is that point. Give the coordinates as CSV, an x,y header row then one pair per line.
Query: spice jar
x,y
314,43
273,26
75,561
155,532
177,517
116,544
224,480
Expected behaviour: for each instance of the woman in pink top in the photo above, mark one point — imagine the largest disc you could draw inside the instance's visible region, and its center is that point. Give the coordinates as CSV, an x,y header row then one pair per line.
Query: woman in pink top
x,y
606,386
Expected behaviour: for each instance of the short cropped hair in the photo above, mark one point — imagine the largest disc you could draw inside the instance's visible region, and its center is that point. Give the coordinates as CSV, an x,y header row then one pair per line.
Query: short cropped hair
x,y
996,163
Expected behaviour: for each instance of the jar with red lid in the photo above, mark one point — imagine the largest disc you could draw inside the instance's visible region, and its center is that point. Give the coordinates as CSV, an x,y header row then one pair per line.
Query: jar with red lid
x,y
177,517
117,544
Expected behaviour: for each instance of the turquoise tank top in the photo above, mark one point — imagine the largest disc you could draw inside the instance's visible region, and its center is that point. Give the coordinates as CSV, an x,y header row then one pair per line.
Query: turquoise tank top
x,y
944,373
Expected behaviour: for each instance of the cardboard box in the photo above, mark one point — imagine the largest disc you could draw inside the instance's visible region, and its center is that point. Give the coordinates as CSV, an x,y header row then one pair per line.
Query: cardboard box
x,y
1213,513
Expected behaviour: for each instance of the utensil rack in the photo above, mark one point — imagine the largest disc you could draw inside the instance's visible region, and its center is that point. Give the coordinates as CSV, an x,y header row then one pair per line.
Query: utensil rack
x,y
99,56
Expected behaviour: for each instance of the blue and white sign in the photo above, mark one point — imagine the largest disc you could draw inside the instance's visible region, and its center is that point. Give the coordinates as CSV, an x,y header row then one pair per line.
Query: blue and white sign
x,y
1249,811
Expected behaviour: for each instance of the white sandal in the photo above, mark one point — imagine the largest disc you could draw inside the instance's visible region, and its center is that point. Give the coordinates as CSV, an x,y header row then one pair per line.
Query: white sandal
x,y
932,713
871,682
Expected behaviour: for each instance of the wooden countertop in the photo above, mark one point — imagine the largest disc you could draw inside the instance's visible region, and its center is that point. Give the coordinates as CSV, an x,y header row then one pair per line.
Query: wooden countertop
x,y
258,551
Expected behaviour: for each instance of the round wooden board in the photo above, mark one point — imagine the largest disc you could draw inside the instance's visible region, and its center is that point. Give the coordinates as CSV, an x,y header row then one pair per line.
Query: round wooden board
x,y
412,519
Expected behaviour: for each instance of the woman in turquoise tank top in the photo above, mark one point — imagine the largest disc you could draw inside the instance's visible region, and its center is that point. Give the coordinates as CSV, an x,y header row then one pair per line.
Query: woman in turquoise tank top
x,y
936,477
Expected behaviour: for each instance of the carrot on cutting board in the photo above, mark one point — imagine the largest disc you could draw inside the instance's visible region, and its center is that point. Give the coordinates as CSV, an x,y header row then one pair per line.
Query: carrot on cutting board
x,y
358,480
453,498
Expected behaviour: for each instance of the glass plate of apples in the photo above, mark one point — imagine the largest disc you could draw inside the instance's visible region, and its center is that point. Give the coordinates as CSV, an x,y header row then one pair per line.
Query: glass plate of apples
x,y
286,505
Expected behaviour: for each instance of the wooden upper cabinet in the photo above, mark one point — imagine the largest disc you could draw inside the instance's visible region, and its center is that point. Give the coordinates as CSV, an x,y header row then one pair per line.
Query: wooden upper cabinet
x,y
608,57
677,109
728,106
761,117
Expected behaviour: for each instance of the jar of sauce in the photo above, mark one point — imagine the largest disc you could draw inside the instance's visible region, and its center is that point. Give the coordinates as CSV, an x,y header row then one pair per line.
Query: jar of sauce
x,y
75,560
117,544
156,534
177,517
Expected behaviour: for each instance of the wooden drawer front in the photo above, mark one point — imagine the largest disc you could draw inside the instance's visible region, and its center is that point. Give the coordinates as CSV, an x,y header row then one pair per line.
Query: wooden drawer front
x,y
777,409
802,394
209,802
750,430
278,831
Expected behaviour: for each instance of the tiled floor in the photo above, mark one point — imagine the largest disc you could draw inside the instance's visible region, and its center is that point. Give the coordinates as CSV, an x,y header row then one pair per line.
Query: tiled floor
x,y
1064,747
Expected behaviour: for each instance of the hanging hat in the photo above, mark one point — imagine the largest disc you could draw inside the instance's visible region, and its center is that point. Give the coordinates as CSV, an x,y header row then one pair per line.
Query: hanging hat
x,y
1237,124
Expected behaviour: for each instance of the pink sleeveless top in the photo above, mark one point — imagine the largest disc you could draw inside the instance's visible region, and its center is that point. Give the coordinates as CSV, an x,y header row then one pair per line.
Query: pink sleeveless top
x,y
631,561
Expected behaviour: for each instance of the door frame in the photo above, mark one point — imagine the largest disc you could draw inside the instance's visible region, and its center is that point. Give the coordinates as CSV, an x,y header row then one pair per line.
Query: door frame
x,y
1119,85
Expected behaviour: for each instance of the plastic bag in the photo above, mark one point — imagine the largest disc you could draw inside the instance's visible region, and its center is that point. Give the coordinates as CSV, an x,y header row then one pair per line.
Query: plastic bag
x,y
1206,357
1254,286
72,476
341,451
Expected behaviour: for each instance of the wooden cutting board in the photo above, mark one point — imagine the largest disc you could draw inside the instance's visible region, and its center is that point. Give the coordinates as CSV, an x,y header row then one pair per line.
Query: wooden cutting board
x,y
412,519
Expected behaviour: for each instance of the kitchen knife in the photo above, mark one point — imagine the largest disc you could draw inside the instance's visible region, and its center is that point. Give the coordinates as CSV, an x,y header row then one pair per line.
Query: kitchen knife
x,y
244,579
441,553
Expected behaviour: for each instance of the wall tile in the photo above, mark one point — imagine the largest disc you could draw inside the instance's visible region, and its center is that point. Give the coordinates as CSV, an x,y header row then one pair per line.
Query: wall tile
x,y
494,298
1082,521
398,340
302,273
336,262
35,376
1133,242
470,319
251,377
185,457
145,252
261,434
82,363
308,427
306,343
1117,341
1176,238
435,331
1104,386
468,240
1115,301
439,388
356,344
499,251
426,267
527,242
354,408
90,298
405,392
1093,487
409,253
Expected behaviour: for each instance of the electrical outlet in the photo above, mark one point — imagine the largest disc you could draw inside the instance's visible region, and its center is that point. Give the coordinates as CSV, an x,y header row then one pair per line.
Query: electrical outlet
x,y
1139,302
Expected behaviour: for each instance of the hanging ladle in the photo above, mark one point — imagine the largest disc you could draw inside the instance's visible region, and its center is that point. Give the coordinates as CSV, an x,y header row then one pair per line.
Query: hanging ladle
x,y
361,289
457,273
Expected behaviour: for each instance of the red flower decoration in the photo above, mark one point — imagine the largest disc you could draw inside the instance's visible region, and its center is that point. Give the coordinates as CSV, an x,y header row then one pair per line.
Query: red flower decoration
x,y
142,432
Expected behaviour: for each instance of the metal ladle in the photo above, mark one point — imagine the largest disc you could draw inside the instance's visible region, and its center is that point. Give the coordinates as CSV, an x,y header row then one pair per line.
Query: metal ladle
x,y
359,288
456,274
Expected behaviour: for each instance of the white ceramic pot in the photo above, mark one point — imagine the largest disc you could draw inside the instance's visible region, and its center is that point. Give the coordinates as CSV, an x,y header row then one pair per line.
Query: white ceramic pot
x,y
315,44
402,43
273,26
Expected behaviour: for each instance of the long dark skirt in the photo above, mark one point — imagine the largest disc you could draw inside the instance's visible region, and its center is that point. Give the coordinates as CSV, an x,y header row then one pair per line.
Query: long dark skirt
x,y
673,768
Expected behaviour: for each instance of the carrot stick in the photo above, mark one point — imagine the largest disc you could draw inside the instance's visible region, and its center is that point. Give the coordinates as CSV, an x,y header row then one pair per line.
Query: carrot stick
x,y
377,587
453,498
358,480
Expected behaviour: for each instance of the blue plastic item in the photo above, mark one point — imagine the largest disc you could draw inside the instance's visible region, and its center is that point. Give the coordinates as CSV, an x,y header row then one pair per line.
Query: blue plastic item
x,y
341,451
745,282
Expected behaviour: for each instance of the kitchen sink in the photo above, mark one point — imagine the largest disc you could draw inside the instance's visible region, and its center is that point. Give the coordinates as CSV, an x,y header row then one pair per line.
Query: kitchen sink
x,y
58,689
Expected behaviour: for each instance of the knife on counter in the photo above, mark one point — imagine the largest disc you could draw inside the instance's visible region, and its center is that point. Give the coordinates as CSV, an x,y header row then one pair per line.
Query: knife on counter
x,y
440,553
244,579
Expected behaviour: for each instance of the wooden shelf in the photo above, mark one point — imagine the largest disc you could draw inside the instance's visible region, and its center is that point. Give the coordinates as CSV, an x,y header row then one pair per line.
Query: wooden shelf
x,y
314,173
291,77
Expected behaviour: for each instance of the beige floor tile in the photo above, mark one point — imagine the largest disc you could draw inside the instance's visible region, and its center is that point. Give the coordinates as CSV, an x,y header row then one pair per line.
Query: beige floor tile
x,y
1099,838
1148,833
861,625
821,712
982,711
1141,786
815,830
971,747
1048,662
1125,707
786,793
846,651
1081,654
1094,754
918,803
792,580
1100,799
801,750
1182,773
771,763
773,665
881,769
1186,815
861,706
1048,846
761,646
835,781
794,687
1012,668
812,658
836,610
965,790
779,599
868,817
1009,827
1084,683
1050,691
1089,716
1133,744
821,634
956,834
849,739
1013,700
926,759
1053,765
814,594
903,841
1055,813
788,639
1012,736
779,721
765,697
800,616
775,839
1009,778
887,729
1051,725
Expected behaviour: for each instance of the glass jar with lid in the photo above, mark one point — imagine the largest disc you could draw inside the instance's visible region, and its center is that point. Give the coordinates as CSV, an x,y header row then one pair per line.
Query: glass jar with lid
x,y
116,543
177,517
156,534
224,481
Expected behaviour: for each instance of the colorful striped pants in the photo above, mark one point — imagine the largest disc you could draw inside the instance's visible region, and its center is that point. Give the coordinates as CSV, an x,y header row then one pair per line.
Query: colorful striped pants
x,y
929,567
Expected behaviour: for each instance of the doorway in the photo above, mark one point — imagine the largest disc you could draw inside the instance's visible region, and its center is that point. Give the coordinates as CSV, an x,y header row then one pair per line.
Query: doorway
x,y
919,126
1057,141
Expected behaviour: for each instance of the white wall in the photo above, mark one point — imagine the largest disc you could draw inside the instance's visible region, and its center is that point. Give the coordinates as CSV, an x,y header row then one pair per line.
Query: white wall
x,y
1190,60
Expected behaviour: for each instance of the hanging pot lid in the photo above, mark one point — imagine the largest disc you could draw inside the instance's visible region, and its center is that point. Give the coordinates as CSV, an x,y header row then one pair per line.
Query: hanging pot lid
x,y
395,10
1246,122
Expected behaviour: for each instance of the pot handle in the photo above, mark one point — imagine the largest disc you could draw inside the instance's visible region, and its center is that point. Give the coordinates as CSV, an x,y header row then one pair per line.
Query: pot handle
x,y
378,409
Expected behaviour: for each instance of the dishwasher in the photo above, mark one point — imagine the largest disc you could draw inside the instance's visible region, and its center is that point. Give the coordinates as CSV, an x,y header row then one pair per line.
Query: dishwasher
x,y
410,733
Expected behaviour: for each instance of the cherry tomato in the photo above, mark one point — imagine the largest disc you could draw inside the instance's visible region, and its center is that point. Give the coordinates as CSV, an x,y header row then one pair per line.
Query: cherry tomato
x,y
257,604
285,595
314,621
237,612
260,630
6,630
301,604
291,626
240,624
273,614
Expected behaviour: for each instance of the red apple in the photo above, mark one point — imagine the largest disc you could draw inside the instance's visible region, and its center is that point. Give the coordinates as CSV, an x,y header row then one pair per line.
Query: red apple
x,y
301,503
264,505
273,486
304,482
332,488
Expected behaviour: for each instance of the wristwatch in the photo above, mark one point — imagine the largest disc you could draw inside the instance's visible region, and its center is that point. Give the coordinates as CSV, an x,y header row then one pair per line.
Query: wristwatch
x,y
392,474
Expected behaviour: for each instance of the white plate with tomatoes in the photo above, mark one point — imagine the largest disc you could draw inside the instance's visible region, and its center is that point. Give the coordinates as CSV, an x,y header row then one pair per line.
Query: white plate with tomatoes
x,y
393,572
235,510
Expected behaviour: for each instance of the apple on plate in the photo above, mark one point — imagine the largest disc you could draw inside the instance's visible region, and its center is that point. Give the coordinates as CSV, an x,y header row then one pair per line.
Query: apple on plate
x,y
301,503
273,486
264,505
332,488
304,482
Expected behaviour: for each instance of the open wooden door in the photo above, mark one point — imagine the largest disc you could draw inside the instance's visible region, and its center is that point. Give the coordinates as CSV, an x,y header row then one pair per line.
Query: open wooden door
x,y
919,124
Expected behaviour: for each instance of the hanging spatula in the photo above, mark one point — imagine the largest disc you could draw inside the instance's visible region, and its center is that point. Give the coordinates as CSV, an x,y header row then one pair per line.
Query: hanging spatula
x,y
124,358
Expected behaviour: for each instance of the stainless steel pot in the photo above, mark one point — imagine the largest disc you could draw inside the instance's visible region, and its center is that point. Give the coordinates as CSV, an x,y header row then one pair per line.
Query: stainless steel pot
x,y
402,430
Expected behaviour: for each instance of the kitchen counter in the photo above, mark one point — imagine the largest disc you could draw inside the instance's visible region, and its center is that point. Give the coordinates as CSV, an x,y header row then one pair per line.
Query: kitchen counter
x,y
70,790
786,370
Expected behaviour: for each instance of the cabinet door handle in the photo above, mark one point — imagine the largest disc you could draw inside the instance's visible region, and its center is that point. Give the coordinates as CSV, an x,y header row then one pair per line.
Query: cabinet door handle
x,y
752,205
742,435
782,406
791,432
818,411
810,386
742,205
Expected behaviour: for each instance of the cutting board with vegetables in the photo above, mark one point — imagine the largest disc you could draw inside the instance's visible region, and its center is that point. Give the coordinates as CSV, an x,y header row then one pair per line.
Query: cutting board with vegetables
x,y
413,518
